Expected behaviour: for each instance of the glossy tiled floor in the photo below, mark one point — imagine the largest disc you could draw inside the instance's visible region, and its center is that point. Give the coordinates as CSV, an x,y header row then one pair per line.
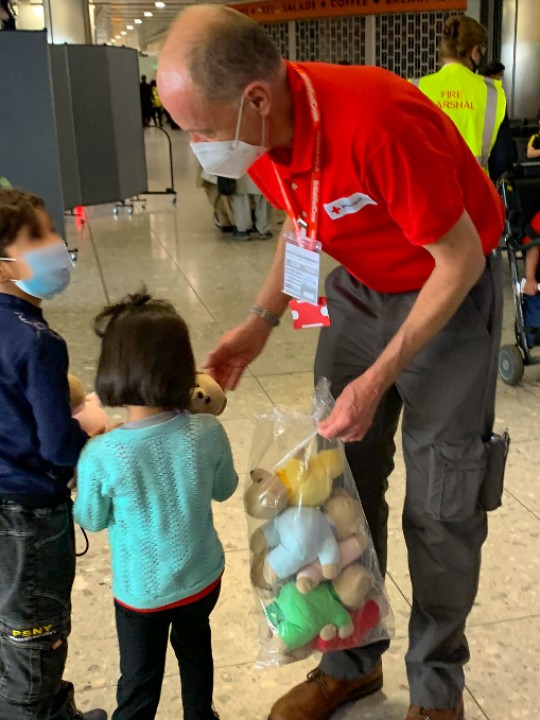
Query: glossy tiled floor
x,y
178,254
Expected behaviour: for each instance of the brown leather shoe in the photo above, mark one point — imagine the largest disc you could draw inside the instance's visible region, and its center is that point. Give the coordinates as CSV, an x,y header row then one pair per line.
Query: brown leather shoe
x,y
320,695
419,713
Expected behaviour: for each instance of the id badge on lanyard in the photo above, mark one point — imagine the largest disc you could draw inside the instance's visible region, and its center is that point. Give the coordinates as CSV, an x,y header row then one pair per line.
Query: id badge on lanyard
x,y
302,248
302,268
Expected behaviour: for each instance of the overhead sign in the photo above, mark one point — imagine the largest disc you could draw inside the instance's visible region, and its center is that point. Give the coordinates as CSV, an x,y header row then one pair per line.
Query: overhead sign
x,y
281,10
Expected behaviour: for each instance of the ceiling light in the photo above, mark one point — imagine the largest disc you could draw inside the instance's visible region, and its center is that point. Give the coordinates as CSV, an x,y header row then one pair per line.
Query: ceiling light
x,y
138,21
118,37
129,27
160,5
147,13
123,32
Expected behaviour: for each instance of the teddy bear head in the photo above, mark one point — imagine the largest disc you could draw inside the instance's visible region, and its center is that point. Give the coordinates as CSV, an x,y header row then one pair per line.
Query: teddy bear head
x,y
346,515
77,394
266,496
207,396
353,585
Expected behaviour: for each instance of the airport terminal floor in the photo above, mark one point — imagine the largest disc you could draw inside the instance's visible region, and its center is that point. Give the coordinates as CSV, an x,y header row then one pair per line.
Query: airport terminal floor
x,y
179,254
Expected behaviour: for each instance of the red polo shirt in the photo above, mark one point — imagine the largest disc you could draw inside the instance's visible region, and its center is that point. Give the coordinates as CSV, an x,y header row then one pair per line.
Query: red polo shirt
x,y
396,174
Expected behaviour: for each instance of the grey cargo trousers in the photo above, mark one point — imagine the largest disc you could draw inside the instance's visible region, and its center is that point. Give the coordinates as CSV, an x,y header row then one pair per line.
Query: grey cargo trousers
x,y
447,395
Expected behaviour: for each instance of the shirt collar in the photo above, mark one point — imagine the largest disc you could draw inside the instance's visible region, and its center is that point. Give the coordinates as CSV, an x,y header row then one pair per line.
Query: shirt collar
x,y
16,304
304,132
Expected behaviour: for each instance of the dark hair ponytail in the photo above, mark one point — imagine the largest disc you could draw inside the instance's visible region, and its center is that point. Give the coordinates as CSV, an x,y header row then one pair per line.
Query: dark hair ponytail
x,y
461,34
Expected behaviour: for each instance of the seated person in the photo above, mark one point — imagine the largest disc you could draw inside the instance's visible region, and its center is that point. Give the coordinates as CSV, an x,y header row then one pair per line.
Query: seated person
x,y
530,286
533,148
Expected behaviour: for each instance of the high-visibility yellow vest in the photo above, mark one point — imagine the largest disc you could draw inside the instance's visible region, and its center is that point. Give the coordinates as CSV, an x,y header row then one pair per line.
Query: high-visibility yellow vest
x,y
476,104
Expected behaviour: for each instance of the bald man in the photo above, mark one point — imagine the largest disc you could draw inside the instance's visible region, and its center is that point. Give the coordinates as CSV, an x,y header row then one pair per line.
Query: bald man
x,y
365,164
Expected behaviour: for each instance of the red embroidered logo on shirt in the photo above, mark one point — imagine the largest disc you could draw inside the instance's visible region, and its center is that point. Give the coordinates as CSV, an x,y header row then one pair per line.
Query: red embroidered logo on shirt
x,y
348,205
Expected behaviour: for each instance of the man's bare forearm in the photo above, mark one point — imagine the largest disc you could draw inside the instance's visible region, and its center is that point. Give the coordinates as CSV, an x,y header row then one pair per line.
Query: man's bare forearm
x,y
459,263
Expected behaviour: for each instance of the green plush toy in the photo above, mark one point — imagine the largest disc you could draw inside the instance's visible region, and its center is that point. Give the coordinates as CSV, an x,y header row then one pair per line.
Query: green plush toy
x,y
298,618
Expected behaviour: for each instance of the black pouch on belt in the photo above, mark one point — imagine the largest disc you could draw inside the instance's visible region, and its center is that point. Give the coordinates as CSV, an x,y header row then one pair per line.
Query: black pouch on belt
x,y
491,492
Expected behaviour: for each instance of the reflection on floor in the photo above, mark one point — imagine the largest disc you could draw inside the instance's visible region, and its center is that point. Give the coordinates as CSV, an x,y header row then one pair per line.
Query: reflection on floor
x,y
178,254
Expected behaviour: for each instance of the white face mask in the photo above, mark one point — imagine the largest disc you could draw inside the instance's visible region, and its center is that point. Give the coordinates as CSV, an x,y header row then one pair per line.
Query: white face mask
x,y
229,158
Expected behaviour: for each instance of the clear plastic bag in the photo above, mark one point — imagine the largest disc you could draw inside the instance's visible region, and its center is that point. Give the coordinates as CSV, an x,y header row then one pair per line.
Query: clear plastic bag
x,y
313,564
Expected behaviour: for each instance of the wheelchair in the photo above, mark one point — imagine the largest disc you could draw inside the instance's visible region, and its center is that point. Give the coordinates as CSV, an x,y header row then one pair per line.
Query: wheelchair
x,y
520,191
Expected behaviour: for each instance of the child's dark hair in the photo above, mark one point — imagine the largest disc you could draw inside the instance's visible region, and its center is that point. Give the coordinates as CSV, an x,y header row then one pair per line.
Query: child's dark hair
x,y
146,356
17,209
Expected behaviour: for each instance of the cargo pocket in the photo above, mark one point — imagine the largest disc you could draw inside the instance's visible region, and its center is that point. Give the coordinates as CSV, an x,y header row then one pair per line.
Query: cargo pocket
x,y
456,475
34,656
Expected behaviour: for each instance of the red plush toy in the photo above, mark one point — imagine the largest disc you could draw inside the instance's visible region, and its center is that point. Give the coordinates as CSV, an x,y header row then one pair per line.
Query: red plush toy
x,y
364,620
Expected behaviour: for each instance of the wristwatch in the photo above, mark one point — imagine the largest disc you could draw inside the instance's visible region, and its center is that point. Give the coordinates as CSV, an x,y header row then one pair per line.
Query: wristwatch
x,y
271,318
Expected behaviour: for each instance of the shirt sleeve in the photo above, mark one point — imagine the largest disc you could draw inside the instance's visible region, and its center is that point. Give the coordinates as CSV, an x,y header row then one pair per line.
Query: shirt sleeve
x,y
92,509
225,479
414,177
61,438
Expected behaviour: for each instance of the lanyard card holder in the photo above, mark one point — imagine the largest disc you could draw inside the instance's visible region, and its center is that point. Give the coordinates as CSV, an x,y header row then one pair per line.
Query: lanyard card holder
x,y
302,268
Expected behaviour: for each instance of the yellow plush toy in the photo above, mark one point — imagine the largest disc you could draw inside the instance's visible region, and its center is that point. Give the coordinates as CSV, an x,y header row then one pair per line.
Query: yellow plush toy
x,y
309,480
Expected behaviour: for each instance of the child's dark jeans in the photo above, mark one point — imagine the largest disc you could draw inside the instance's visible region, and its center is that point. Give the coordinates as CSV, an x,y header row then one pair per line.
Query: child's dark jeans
x,y
37,568
143,641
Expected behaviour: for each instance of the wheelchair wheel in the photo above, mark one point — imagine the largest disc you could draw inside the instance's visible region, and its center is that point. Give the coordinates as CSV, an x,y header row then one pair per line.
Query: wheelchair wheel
x,y
511,365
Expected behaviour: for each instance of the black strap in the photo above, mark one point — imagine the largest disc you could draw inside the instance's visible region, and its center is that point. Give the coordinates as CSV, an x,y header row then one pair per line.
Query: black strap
x,y
87,543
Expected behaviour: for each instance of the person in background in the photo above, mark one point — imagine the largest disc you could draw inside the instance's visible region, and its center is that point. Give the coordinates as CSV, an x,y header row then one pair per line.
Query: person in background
x,y
221,204
40,444
146,101
533,148
7,15
157,107
477,105
494,70
252,212
151,483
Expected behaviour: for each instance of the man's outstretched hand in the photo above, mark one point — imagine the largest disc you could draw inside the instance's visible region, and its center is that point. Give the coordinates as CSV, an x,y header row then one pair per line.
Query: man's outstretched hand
x,y
236,350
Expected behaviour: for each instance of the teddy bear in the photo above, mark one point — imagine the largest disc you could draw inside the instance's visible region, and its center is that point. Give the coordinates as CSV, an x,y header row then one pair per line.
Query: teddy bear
x,y
85,408
310,477
324,613
364,619
295,537
207,396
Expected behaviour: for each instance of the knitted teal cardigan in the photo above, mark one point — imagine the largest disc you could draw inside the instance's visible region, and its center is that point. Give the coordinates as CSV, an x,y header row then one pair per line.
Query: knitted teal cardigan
x,y
152,488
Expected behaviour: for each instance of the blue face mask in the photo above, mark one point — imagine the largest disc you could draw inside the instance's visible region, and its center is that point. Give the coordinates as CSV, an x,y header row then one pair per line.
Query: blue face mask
x,y
51,271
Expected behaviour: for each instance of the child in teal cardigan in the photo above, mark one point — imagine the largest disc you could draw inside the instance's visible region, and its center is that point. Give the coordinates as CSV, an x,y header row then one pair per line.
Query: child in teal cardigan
x,y
151,483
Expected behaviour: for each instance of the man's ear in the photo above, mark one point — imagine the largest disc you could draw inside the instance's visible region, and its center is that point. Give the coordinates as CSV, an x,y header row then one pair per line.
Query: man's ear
x,y
258,97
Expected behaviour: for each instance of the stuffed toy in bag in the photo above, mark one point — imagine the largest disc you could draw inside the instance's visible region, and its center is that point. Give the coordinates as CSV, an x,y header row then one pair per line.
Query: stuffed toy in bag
x,y
294,537
310,477
325,612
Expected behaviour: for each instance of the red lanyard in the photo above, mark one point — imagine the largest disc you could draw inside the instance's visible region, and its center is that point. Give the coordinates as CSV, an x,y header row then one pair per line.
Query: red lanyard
x,y
313,219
